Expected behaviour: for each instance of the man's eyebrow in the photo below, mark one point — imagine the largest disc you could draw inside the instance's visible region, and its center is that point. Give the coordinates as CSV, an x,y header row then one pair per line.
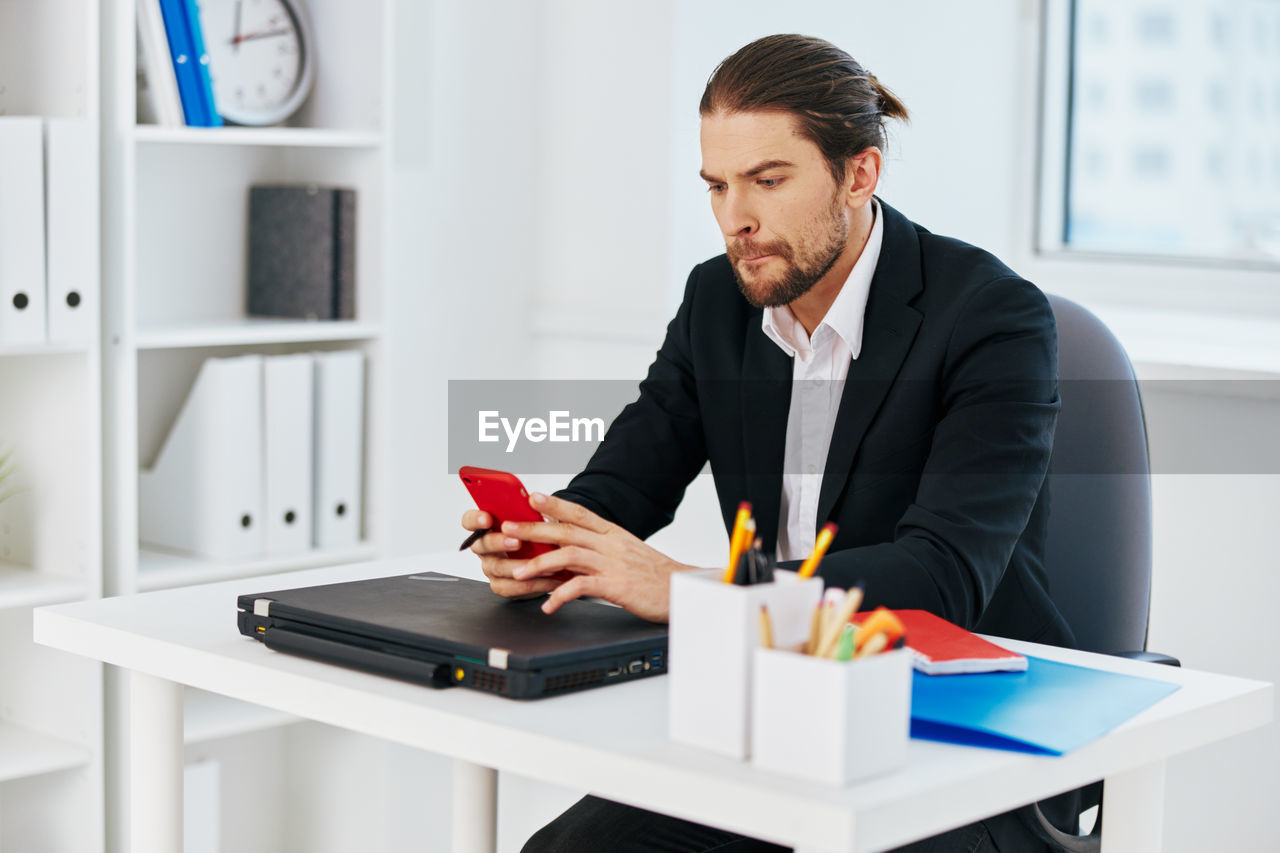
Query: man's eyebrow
x,y
750,173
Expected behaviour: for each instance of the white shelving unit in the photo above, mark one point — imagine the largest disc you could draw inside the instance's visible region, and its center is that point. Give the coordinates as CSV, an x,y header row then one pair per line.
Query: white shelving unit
x,y
175,222
51,704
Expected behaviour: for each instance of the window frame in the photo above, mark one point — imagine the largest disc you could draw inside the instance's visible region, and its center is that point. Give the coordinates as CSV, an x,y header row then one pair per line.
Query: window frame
x,y
1219,285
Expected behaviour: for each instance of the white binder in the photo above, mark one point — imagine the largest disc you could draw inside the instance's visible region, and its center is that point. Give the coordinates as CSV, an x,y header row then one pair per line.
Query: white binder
x,y
22,314
339,447
162,104
287,402
72,200
204,494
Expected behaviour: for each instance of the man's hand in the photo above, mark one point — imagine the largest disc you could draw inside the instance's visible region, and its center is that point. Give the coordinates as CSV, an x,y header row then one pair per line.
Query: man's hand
x,y
606,561
492,549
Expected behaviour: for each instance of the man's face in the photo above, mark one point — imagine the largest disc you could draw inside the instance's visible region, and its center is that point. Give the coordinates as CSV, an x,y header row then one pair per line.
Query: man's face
x,y
785,220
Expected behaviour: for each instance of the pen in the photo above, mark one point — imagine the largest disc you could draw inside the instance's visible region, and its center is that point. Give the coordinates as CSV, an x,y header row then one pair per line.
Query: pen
x,y
825,535
815,631
473,538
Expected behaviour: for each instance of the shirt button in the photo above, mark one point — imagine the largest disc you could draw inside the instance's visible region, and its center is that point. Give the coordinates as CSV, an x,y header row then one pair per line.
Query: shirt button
x,y
812,469
818,383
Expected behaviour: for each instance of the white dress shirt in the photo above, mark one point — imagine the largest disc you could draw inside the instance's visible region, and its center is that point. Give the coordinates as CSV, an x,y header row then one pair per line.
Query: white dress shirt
x,y
820,365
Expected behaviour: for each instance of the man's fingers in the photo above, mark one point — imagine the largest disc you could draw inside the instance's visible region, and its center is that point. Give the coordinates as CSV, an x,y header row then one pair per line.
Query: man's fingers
x,y
549,532
569,590
494,543
563,510
474,519
572,557
523,589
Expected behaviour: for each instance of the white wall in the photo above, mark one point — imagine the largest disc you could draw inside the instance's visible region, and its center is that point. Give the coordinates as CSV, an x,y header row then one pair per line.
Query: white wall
x,y
548,209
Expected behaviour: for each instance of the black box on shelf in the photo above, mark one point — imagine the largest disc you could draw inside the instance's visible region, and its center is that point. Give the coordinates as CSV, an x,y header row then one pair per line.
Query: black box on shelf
x,y
302,244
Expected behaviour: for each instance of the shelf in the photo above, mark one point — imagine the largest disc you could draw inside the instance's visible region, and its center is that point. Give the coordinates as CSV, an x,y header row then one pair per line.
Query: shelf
x,y
208,716
287,137
252,331
24,753
24,587
162,570
42,349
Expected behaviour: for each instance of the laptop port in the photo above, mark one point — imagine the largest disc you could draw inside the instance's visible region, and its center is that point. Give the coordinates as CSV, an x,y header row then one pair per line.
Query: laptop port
x,y
635,666
615,671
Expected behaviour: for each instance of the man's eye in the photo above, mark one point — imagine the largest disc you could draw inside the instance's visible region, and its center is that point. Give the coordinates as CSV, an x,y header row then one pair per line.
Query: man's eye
x,y
770,183
715,188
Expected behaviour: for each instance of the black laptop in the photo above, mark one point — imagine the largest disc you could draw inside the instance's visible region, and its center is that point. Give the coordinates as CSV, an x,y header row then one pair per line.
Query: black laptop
x,y
442,631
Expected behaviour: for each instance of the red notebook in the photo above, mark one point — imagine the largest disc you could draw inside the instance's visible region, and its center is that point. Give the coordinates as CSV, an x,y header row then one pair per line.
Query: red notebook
x,y
939,647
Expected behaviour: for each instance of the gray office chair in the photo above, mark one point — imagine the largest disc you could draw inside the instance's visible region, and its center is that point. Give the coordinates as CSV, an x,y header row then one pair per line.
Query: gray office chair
x,y
1098,551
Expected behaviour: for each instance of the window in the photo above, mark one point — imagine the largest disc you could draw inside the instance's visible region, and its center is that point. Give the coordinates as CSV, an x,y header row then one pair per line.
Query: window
x,y
1157,129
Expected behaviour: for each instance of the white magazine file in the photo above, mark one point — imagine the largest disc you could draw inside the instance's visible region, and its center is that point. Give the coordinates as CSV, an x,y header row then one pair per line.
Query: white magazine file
x,y
287,402
72,201
22,285
204,495
339,447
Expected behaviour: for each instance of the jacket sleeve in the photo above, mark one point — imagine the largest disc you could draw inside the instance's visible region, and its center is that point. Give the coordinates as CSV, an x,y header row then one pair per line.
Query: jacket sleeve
x,y
986,464
655,447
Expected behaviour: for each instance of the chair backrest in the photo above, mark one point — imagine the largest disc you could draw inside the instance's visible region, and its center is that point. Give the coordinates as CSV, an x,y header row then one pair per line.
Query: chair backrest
x,y
1098,550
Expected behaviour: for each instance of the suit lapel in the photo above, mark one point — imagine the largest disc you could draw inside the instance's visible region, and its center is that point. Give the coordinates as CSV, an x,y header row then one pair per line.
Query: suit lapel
x,y
889,328
766,401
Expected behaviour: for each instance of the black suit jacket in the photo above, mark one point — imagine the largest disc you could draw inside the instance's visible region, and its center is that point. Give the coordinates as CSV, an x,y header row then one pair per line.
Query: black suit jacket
x,y
936,470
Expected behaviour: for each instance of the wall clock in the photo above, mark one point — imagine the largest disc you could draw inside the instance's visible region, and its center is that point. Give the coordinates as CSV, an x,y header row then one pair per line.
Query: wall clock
x,y
261,58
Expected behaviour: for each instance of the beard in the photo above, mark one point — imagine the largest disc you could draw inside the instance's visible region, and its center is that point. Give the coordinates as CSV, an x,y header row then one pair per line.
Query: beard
x,y
803,265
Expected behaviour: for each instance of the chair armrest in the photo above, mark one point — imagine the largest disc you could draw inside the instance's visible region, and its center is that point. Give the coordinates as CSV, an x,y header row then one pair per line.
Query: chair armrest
x,y
1150,657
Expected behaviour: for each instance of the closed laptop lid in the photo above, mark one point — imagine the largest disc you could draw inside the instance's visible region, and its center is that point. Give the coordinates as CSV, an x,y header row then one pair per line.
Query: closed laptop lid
x,y
456,616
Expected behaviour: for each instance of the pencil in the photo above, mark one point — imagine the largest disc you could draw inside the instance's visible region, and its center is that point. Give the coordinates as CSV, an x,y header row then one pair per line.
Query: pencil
x,y
815,631
844,648
735,540
766,628
825,535
848,607
874,645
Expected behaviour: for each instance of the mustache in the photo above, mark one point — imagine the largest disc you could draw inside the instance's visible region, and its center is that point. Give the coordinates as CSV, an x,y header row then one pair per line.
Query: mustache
x,y
743,249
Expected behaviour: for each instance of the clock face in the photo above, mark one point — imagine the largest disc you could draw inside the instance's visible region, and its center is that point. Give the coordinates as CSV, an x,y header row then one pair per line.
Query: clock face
x,y
258,58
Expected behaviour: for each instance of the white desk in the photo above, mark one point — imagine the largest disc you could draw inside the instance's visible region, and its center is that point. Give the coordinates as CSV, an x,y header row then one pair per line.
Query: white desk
x,y
611,741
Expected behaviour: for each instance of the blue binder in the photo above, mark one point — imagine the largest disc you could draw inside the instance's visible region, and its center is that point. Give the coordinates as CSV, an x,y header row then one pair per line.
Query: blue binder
x,y
1050,709
190,62
196,30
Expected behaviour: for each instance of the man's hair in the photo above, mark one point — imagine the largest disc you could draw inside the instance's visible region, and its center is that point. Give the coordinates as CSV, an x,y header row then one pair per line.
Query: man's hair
x,y
839,105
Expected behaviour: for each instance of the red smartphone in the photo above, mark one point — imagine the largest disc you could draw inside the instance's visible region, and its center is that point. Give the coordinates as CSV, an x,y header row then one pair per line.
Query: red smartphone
x,y
505,498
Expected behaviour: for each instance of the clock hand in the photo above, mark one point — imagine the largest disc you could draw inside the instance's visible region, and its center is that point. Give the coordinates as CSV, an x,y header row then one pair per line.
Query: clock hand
x,y
252,36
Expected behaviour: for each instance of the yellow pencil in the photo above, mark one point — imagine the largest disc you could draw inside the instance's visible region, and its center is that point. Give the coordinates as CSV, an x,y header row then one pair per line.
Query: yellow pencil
x,y
766,628
735,540
825,535
815,631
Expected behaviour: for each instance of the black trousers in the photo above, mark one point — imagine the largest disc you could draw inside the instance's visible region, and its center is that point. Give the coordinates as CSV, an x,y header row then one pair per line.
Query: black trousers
x,y
593,824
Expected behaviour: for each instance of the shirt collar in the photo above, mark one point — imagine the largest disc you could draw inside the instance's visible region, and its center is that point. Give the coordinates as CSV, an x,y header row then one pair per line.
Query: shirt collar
x,y
846,314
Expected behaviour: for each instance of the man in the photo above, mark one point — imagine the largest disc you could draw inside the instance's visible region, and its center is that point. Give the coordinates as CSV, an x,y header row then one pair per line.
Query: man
x,y
838,363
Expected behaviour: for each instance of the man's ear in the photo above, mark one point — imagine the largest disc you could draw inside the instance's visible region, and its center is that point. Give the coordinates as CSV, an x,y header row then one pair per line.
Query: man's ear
x,y
862,175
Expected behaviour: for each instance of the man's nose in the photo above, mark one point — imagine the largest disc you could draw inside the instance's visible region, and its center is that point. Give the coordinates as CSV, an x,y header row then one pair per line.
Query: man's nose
x,y
737,219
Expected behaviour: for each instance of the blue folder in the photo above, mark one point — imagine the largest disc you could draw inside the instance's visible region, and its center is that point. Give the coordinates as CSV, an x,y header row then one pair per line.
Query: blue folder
x,y
189,68
1050,709
196,30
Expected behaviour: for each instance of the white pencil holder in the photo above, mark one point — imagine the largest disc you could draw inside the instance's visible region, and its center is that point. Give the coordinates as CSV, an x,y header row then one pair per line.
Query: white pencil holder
x,y
715,629
830,721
